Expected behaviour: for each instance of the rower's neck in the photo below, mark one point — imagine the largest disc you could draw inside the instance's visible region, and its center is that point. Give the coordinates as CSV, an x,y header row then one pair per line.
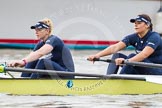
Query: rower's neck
x,y
142,34
46,37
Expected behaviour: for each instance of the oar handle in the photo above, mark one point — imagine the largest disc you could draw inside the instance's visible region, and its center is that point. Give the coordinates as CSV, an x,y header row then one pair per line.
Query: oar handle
x,y
104,60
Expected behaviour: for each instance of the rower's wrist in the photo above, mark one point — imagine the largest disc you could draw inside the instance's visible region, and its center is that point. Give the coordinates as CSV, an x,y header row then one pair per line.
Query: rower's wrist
x,y
97,56
25,62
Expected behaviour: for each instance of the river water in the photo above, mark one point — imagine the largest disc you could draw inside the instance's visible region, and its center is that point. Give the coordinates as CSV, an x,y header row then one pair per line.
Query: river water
x,y
95,101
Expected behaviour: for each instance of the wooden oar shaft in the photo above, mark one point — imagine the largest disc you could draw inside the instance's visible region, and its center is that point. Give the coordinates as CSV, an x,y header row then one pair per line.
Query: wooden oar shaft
x,y
140,64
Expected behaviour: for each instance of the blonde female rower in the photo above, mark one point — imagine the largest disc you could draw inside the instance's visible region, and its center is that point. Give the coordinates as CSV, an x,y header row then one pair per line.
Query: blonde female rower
x,y
49,53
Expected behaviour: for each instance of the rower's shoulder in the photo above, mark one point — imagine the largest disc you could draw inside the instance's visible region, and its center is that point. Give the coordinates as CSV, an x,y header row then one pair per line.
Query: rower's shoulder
x,y
153,33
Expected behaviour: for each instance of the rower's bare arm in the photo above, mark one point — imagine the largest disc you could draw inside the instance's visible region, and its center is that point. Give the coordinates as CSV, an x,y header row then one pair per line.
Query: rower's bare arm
x,y
112,49
109,50
39,53
145,53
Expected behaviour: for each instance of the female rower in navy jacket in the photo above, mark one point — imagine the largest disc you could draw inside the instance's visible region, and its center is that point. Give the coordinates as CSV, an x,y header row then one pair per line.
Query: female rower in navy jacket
x,y
49,53
148,47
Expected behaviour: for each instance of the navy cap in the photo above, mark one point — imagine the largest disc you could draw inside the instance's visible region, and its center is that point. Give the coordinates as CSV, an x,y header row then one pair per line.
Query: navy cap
x,y
141,19
40,25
